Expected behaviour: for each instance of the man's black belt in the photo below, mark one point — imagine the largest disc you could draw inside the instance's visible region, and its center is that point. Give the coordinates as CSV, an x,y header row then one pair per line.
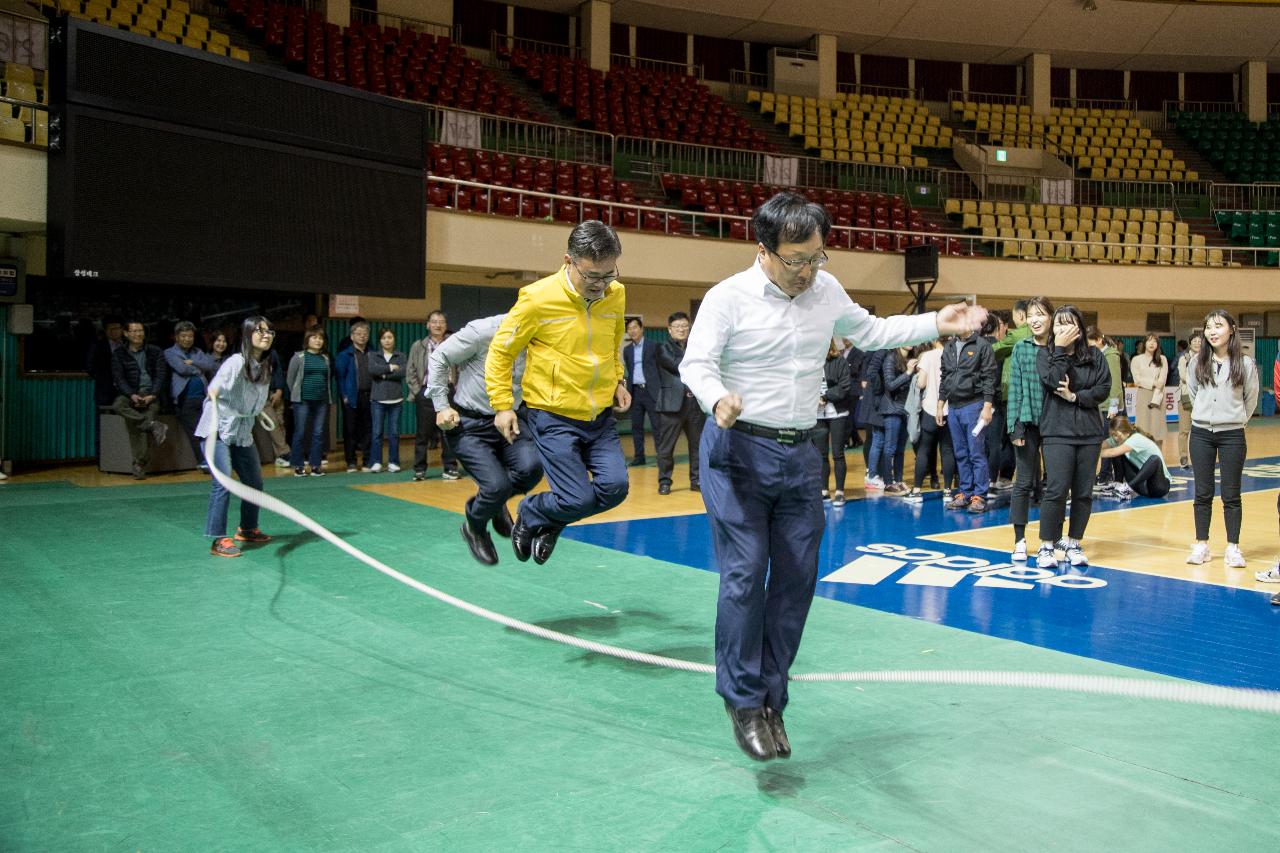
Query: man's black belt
x,y
787,437
471,413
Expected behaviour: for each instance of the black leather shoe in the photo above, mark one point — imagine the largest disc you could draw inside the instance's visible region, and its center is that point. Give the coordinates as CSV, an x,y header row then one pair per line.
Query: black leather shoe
x,y
664,489
544,543
637,462
695,487
481,545
780,740
502,523
751,731
521,540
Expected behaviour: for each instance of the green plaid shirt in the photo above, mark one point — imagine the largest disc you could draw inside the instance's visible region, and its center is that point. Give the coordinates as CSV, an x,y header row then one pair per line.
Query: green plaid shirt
x,y
1026,392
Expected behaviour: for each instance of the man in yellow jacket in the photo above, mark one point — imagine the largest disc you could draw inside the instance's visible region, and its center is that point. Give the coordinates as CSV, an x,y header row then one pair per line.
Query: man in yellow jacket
x,y
571,325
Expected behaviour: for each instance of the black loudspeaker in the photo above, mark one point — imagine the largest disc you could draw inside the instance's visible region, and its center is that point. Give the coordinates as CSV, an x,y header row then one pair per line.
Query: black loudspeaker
x,y
920,264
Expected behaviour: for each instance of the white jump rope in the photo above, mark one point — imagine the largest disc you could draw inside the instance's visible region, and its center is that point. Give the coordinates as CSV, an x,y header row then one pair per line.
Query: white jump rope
x,y
1187,692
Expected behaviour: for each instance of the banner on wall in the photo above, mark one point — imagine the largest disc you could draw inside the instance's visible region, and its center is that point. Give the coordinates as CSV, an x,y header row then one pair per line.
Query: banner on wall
x,y
460,129
781,170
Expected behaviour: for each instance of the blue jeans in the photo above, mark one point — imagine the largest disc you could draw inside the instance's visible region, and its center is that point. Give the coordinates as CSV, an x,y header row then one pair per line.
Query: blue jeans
x,y
386,421
308,427
765,512
246,463
893,450
971,453
876,449
584,466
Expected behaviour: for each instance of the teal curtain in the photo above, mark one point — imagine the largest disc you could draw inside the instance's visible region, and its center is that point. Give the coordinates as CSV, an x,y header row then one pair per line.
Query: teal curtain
x,y
406,334
47,418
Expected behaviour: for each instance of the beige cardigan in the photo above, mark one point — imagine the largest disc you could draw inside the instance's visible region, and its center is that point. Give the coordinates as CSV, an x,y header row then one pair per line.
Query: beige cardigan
x,y
1148,377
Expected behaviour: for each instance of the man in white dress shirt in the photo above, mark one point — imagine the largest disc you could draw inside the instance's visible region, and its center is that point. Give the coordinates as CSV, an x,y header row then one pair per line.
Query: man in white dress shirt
x,y
754,361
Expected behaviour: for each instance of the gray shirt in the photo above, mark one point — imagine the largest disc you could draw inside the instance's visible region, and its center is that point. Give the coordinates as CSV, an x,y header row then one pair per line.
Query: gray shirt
x,y
1221,406
144,378
239,403
466,350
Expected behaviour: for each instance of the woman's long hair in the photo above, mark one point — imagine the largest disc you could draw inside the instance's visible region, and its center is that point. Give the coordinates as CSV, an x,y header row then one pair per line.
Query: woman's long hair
x,y
1121,426
1081,353
1204,362
255,369
1157,357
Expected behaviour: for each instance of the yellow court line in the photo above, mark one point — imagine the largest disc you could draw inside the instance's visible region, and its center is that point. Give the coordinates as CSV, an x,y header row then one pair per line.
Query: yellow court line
x,y
1155,539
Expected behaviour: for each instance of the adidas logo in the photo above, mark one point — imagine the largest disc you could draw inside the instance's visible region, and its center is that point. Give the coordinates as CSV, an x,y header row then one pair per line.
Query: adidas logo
x,y
879,562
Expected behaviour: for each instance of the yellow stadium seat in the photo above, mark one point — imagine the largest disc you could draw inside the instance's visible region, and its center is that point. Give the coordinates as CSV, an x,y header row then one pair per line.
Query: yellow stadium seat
x,y
12,129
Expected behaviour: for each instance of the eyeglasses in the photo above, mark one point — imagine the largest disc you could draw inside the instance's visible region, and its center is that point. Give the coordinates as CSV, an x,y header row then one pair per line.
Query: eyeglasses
x,y
817,262
266,333
593,278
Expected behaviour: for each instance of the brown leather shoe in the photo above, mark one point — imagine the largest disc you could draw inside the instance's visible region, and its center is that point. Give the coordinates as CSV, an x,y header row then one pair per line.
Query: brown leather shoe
x,y
779,732
751,731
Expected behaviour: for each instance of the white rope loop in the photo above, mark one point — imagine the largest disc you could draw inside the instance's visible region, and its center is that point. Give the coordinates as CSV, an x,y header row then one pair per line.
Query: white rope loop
x,y
1186,692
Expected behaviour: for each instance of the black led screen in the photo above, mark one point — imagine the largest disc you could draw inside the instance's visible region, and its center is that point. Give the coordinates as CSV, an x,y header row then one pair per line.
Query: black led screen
x,y
179,168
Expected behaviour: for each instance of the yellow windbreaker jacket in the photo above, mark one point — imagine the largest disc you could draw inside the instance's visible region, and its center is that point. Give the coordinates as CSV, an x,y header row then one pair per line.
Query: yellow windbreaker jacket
x,y
572,363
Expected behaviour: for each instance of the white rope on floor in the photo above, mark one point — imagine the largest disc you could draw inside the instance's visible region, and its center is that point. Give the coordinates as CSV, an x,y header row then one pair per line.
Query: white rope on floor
x,y
1186,692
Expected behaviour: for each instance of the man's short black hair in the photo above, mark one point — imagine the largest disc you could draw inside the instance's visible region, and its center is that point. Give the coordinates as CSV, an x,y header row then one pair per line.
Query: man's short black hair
x,y
679,315
789,218
631,320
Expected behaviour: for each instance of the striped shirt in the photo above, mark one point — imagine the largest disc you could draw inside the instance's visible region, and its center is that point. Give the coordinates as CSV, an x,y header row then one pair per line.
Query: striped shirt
x,y
315,378
239,403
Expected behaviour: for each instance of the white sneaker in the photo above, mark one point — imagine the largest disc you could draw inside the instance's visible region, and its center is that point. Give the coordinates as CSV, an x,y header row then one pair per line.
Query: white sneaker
x,y
1232,558
915,496
376,467
1076,557
1019,554
1046,558
1271,575
393,468
1199,555
873,483
283,462
1124,492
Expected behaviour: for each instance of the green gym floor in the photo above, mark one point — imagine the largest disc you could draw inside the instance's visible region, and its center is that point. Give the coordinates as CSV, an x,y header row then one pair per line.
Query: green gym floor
x,y
158,699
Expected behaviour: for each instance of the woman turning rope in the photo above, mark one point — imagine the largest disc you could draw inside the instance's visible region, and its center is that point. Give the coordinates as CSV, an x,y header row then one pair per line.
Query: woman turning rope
x,y
238,392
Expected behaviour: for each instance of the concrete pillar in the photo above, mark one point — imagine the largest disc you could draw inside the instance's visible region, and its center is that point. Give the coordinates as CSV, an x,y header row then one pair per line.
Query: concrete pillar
x,y
1253,89
911,75
1071,84
1036,75
1124,93
825,46
593,32
964,77
337,12
688,51
1182,86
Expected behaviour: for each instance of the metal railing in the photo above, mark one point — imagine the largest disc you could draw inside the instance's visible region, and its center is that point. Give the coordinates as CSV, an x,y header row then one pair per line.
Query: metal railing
x,y
683,69
36,129
1129,105
533,139
1014,138
740,81
500,40
960,96
1258,196
24,40
1169,106
916,94
1034,189
361,15
548,207
654,157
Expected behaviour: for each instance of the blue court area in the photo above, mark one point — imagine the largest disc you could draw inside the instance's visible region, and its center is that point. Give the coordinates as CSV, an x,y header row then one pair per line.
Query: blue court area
x,y
879,553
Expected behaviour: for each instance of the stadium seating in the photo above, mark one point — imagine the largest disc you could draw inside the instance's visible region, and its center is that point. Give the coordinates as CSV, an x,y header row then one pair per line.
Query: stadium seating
x,y
167,20
1106,144
1245,152
634,101
419,66
18,123
857,128
1257,229
1127,235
